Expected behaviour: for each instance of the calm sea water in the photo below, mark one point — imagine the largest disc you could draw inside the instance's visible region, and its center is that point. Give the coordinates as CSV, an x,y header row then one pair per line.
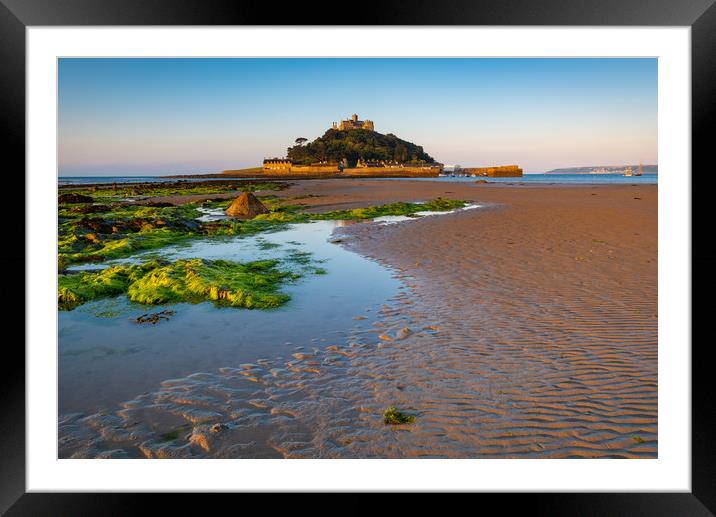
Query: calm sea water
x,y
572,179
81,180
529,178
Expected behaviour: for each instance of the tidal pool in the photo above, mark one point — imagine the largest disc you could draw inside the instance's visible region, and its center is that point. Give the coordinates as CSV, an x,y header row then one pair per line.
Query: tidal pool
x,y
106,358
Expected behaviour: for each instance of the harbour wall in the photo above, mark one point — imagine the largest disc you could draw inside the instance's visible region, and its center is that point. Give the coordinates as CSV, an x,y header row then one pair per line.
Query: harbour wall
x,y
502,171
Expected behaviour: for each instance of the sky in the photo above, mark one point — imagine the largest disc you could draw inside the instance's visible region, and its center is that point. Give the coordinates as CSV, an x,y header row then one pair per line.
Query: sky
x,y
142,116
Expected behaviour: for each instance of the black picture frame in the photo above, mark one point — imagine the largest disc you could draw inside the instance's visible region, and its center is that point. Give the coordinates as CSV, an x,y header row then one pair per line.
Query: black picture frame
x,y
700,15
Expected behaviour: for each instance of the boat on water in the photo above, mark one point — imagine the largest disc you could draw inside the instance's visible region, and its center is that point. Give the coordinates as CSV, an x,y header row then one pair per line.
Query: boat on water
x,y
639,171
628,172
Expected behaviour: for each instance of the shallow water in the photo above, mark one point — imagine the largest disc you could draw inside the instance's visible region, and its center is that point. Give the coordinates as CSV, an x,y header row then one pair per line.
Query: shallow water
x,y
106,358
390,219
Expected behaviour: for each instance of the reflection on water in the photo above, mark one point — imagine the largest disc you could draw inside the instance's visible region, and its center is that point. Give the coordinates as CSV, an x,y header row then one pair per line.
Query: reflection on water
x,y
105,358
389,219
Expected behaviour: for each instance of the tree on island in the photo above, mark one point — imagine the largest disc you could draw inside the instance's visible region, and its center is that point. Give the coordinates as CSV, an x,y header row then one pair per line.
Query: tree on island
x,y
300,140
357,144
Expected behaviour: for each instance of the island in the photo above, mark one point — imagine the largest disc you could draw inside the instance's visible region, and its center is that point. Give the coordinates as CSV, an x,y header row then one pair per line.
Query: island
x,y
353,148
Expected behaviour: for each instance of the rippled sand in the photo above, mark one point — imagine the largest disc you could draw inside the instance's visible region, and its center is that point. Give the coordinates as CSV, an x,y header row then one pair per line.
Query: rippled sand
x,y
532,333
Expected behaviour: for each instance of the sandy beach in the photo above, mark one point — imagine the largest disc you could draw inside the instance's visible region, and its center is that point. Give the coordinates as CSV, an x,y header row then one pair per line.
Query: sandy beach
x,y
544,305
526,327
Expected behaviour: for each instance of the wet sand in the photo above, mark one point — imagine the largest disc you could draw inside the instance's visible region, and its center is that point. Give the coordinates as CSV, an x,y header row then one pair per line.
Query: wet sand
x,y
547,305
546,308
532,333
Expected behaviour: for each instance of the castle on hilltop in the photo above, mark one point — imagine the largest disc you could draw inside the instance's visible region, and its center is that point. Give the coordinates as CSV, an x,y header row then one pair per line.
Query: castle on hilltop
x,y
354,123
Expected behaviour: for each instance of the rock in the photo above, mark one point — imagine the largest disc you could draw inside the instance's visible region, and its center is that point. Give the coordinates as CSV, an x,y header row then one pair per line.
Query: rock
x,y
91,209
481,181
158,204
154,317
403,333
217,428
246,205
74,198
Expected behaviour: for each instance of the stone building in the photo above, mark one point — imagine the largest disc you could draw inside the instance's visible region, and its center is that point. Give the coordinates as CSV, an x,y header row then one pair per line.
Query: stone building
x,y
378,163
354,123
277,163
286,166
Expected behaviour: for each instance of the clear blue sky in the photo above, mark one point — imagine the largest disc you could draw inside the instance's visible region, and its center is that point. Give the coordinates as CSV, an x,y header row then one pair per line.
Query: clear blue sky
x,y
167,116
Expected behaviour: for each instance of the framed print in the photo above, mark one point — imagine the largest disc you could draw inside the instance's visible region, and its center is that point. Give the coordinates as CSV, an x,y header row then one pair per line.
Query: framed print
x,y
452,255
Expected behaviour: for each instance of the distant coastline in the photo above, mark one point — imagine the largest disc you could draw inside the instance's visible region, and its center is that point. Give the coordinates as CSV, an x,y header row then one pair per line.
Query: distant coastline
x,y
610,169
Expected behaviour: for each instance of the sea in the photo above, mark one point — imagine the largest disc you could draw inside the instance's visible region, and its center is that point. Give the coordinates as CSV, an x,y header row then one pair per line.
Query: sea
x,y
589,179
548,179
98,180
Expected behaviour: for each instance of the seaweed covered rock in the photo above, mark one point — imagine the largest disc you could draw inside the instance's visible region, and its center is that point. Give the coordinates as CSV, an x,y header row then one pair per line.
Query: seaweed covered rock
x,y
90,209
158,204
71,197
249,285
136,224
246,205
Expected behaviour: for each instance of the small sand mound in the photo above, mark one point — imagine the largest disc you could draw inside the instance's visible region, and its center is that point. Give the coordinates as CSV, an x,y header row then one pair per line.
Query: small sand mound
x,y
246,205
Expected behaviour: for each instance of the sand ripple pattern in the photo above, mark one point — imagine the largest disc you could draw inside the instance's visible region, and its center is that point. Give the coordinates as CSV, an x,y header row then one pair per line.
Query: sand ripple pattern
x,y
533,335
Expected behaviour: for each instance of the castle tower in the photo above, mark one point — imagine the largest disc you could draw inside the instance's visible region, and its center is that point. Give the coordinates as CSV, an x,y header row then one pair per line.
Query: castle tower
x,y
354,123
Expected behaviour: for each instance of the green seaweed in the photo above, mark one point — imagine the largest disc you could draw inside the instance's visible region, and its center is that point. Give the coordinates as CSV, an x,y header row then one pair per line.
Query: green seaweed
x,y
78,288
393,416
174,434
122,229
181,188
299,257
251,285
266,245
126,229
399,208
93,248
170,436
